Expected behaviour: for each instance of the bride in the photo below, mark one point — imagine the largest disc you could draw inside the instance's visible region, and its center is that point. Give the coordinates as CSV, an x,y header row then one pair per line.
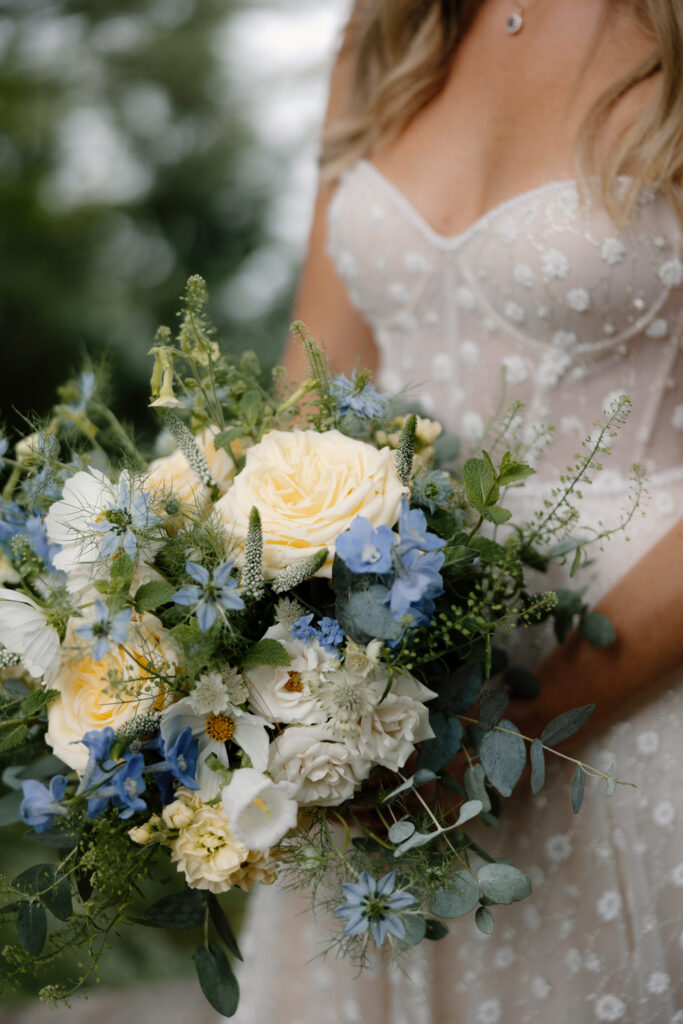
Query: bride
x,y
500,201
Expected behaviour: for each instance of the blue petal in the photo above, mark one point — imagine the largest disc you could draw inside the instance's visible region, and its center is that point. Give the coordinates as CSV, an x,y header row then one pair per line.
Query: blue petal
x,y
130,544
386,884
109,545
206,615
221,576
401,900
100,648
230,599
197,573
367,884
189,594
101,610
357,927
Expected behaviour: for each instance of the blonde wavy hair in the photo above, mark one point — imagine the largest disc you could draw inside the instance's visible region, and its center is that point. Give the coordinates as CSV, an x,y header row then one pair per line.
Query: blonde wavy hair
x,y
401,52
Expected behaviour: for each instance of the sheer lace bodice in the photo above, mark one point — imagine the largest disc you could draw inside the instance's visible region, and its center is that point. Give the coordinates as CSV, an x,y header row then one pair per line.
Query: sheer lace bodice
x,y
546,301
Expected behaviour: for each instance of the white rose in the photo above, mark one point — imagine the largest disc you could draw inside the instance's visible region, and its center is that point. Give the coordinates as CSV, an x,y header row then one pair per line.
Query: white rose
x,y
260,811
85,701
323,771
277,693
388,734
173,472
308,488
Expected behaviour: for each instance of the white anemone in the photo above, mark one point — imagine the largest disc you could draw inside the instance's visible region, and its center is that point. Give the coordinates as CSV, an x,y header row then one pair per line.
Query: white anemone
x,y
260,811
25,630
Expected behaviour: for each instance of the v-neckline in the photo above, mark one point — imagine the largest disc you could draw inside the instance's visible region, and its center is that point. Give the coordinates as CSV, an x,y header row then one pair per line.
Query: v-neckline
x,y
456,240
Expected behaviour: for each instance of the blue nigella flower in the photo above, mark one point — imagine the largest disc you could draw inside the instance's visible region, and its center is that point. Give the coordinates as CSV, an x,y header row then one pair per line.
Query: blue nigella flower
x,y
41,805
432,489
374,904
358,396
366,549
331,634
87,385
12,521
412,528
118,523
302,629
127,783
417,578
106,629
211,594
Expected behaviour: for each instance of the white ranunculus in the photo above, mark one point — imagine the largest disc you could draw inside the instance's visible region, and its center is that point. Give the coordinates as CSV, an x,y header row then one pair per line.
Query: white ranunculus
x,y
308,488
85,700
324,771
260,811
388,734
277,693
174,473
248,731
24,630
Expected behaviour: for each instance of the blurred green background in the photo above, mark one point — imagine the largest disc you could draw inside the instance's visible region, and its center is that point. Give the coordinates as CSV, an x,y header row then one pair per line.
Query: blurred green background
x,y
142,141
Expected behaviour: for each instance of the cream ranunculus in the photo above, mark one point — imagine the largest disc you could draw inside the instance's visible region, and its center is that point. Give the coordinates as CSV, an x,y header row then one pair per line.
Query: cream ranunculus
x,y
84,702
308,488
173,472
324,771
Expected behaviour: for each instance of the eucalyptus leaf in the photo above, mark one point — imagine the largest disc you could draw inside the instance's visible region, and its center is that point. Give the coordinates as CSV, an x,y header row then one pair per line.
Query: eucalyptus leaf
x,y
9,808
484,920
475,785
35,880
58,899
420,778
470,809
522,682
492,705
435,930
222,925
537,758
436,753
502,883
503,756
566,724
459,897
368,614
417,839
217,979
578,786
416,928
597,629
184,909
400,831
32,927
611,785
461,689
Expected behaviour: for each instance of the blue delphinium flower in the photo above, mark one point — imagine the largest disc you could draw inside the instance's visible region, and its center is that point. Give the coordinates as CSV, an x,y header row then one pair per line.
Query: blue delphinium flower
x,y
374,904
302,629
358,396
127,783
210,594
331,634
181,758
106,629
99,768
366,549
417,579
412,528
41,805
118,523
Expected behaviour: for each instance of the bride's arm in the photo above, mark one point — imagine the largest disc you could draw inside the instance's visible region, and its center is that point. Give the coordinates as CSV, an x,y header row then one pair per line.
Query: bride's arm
x,y
322,302
646,609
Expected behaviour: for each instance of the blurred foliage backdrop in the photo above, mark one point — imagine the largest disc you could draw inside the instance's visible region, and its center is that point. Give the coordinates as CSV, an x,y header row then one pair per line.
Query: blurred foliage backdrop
x,y
138,146
142,141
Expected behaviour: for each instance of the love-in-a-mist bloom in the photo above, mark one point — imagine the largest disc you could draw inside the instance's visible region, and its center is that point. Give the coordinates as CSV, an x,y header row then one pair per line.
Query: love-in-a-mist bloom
x,y
374,905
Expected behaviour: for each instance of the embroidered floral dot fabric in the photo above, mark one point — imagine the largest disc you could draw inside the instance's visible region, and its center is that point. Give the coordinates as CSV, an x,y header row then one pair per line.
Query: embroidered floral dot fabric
x,y
544,299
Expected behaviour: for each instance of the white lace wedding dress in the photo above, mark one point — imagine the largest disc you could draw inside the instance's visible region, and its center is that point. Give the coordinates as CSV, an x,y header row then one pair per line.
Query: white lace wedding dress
x,y
575,312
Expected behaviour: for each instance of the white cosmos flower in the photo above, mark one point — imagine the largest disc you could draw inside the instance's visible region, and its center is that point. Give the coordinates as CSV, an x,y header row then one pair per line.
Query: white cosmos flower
x,y
260,811
248,731
24,630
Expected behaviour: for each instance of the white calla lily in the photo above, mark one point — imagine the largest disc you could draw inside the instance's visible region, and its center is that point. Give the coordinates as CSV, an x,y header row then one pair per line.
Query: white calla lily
x,y
25,630
260,811
248,731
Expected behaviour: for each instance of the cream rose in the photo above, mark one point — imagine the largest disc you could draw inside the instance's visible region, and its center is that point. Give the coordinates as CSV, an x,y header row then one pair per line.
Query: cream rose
x,y
308,488
173,472
323,770
388,734
84,702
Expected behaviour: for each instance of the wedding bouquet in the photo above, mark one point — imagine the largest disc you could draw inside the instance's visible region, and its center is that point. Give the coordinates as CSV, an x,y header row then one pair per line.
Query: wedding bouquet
x,y
261,654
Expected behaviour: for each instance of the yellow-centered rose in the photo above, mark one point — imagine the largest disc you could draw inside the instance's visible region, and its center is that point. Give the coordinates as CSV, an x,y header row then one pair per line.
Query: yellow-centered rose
x,y
173,472
308,488
86,699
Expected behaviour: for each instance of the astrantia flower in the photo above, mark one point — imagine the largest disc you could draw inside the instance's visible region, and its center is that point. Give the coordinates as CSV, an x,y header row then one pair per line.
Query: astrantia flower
x,y
25,630
211,593
366,549
119,521
375,905
344,697
260,811
106,629
215,691
432,490
41,805
288,611
358,396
